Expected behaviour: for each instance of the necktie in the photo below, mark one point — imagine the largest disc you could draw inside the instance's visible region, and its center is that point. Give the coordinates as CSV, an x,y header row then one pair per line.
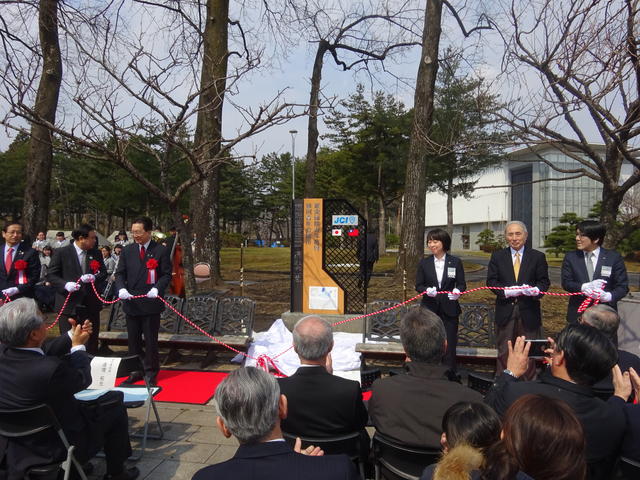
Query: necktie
x,y
142,252
83,261
516,265
8,259
590,265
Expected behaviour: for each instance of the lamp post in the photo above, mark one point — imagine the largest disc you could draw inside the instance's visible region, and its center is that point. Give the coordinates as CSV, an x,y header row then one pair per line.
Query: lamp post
x,y
293,163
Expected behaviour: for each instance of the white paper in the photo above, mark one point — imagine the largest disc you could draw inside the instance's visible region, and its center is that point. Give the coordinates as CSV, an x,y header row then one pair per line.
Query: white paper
x,y
323,298
103,372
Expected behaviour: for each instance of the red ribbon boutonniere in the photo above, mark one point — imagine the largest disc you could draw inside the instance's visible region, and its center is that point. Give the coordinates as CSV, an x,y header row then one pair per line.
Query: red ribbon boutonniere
x,y
152,264
21,268
94,265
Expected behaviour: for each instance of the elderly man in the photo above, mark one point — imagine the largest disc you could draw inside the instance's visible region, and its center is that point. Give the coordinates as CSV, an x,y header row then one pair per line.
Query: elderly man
x,y
524,273
250,407
592,270
30,377
409,408
579,358
607,320
320,404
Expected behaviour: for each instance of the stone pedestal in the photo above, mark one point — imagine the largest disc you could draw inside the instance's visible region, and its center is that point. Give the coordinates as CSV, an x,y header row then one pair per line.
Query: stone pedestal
x,y
629,330
355,326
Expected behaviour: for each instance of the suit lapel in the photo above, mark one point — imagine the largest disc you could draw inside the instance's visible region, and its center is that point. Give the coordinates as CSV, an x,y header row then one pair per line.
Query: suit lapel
x,y
582,266
149,253
508,265
601,258
431,270
524,265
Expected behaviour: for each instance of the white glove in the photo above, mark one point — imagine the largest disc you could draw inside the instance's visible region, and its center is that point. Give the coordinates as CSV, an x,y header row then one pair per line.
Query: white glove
x,y
123,294
587,288
454,295
71,287
153,293
10,292
531,291
598,284
87,278
514,291
431,291
606,297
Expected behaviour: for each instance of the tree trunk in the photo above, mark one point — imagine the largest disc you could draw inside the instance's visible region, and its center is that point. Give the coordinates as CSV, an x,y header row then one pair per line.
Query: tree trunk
x,y
184,235
415,186
450,206
611,200
382,221
312,129
205,195
35,210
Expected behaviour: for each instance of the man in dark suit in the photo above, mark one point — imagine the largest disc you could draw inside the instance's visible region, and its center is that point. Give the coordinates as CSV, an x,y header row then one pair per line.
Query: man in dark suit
x,y
524,271
606,319
409,408
369,255
19,264
144,268
580,357
72,271
593,270
29,376
250,407
320,404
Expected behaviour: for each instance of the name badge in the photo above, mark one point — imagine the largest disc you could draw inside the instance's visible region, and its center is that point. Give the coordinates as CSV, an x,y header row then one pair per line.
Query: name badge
x,y
605,271
451,272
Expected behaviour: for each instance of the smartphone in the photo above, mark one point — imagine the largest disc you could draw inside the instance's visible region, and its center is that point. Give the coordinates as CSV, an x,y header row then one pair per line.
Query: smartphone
x,y
538,346
81,314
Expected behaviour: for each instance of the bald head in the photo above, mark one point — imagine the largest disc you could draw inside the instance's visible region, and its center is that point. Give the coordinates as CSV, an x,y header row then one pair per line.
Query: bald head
x,y
312,339
602,317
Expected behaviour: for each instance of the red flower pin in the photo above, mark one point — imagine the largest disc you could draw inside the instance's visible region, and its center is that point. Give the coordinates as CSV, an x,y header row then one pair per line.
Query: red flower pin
x,y
152,264
20,264
94,265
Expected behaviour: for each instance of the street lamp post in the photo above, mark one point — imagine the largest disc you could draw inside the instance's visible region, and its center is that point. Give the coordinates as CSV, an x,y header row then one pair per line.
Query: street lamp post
x,y
293,163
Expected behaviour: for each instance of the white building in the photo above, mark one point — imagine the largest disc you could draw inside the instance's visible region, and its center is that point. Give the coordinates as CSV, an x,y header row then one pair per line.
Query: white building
x,y
513,197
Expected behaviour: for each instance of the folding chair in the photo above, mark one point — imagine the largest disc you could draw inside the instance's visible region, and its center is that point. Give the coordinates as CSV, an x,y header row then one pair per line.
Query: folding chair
x,y
135,396
348,444
394,461
30,421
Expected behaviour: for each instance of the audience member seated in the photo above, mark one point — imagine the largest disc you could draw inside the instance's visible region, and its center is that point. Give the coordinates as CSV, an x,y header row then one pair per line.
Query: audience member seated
x,y
250,407
630,382
580,357
31,376
320,404
409,408
468,429
541,439
607,320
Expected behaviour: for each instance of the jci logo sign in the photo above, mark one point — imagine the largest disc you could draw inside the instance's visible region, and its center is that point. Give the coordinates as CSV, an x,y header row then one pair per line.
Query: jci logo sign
x,y
344,220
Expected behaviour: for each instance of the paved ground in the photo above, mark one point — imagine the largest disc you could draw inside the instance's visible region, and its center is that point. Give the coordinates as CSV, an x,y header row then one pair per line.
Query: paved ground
x,y
191,441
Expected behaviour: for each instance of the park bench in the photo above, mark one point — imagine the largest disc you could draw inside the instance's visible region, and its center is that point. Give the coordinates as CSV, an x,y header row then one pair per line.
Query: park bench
x,y
381,336
229,319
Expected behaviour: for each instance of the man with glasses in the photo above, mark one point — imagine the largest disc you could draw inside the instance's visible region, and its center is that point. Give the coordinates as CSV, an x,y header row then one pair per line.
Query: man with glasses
x,y
594,271
19,265
144,268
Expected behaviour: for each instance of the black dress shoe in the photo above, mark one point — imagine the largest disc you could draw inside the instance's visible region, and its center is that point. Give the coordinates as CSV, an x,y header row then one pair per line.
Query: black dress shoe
x,y
133,378
127,474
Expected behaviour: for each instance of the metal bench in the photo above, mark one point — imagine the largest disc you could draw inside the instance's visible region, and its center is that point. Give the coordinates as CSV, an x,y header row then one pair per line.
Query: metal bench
x,y
476,332
229,319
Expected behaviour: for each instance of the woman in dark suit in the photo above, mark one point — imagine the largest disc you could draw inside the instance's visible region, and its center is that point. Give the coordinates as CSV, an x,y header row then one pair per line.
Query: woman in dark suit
x,y
442,271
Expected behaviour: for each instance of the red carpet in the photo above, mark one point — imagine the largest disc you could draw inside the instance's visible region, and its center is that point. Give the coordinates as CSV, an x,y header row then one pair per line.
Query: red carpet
x,y
183,386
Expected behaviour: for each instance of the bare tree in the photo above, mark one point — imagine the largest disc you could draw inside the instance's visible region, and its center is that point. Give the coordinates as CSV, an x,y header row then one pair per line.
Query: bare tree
x,y
412,234
127,82
584,56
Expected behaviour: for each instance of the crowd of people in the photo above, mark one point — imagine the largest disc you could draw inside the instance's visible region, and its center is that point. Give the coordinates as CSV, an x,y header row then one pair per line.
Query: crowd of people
x,y
573,418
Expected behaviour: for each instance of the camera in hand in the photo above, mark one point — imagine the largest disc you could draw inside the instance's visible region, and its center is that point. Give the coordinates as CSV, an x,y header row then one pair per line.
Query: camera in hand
x,y
538,346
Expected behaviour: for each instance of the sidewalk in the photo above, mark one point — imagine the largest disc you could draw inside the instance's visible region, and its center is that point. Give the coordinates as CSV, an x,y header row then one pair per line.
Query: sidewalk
x,y
191,441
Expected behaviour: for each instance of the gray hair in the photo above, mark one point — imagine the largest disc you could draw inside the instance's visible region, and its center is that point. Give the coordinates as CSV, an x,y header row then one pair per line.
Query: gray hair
x,y
247,400
603,318
312,337
422,334
515,222
17,320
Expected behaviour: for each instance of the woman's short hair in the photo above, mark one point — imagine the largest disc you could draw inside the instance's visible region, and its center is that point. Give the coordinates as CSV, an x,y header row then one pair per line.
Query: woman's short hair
x,y
471,423
441,235
541,437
